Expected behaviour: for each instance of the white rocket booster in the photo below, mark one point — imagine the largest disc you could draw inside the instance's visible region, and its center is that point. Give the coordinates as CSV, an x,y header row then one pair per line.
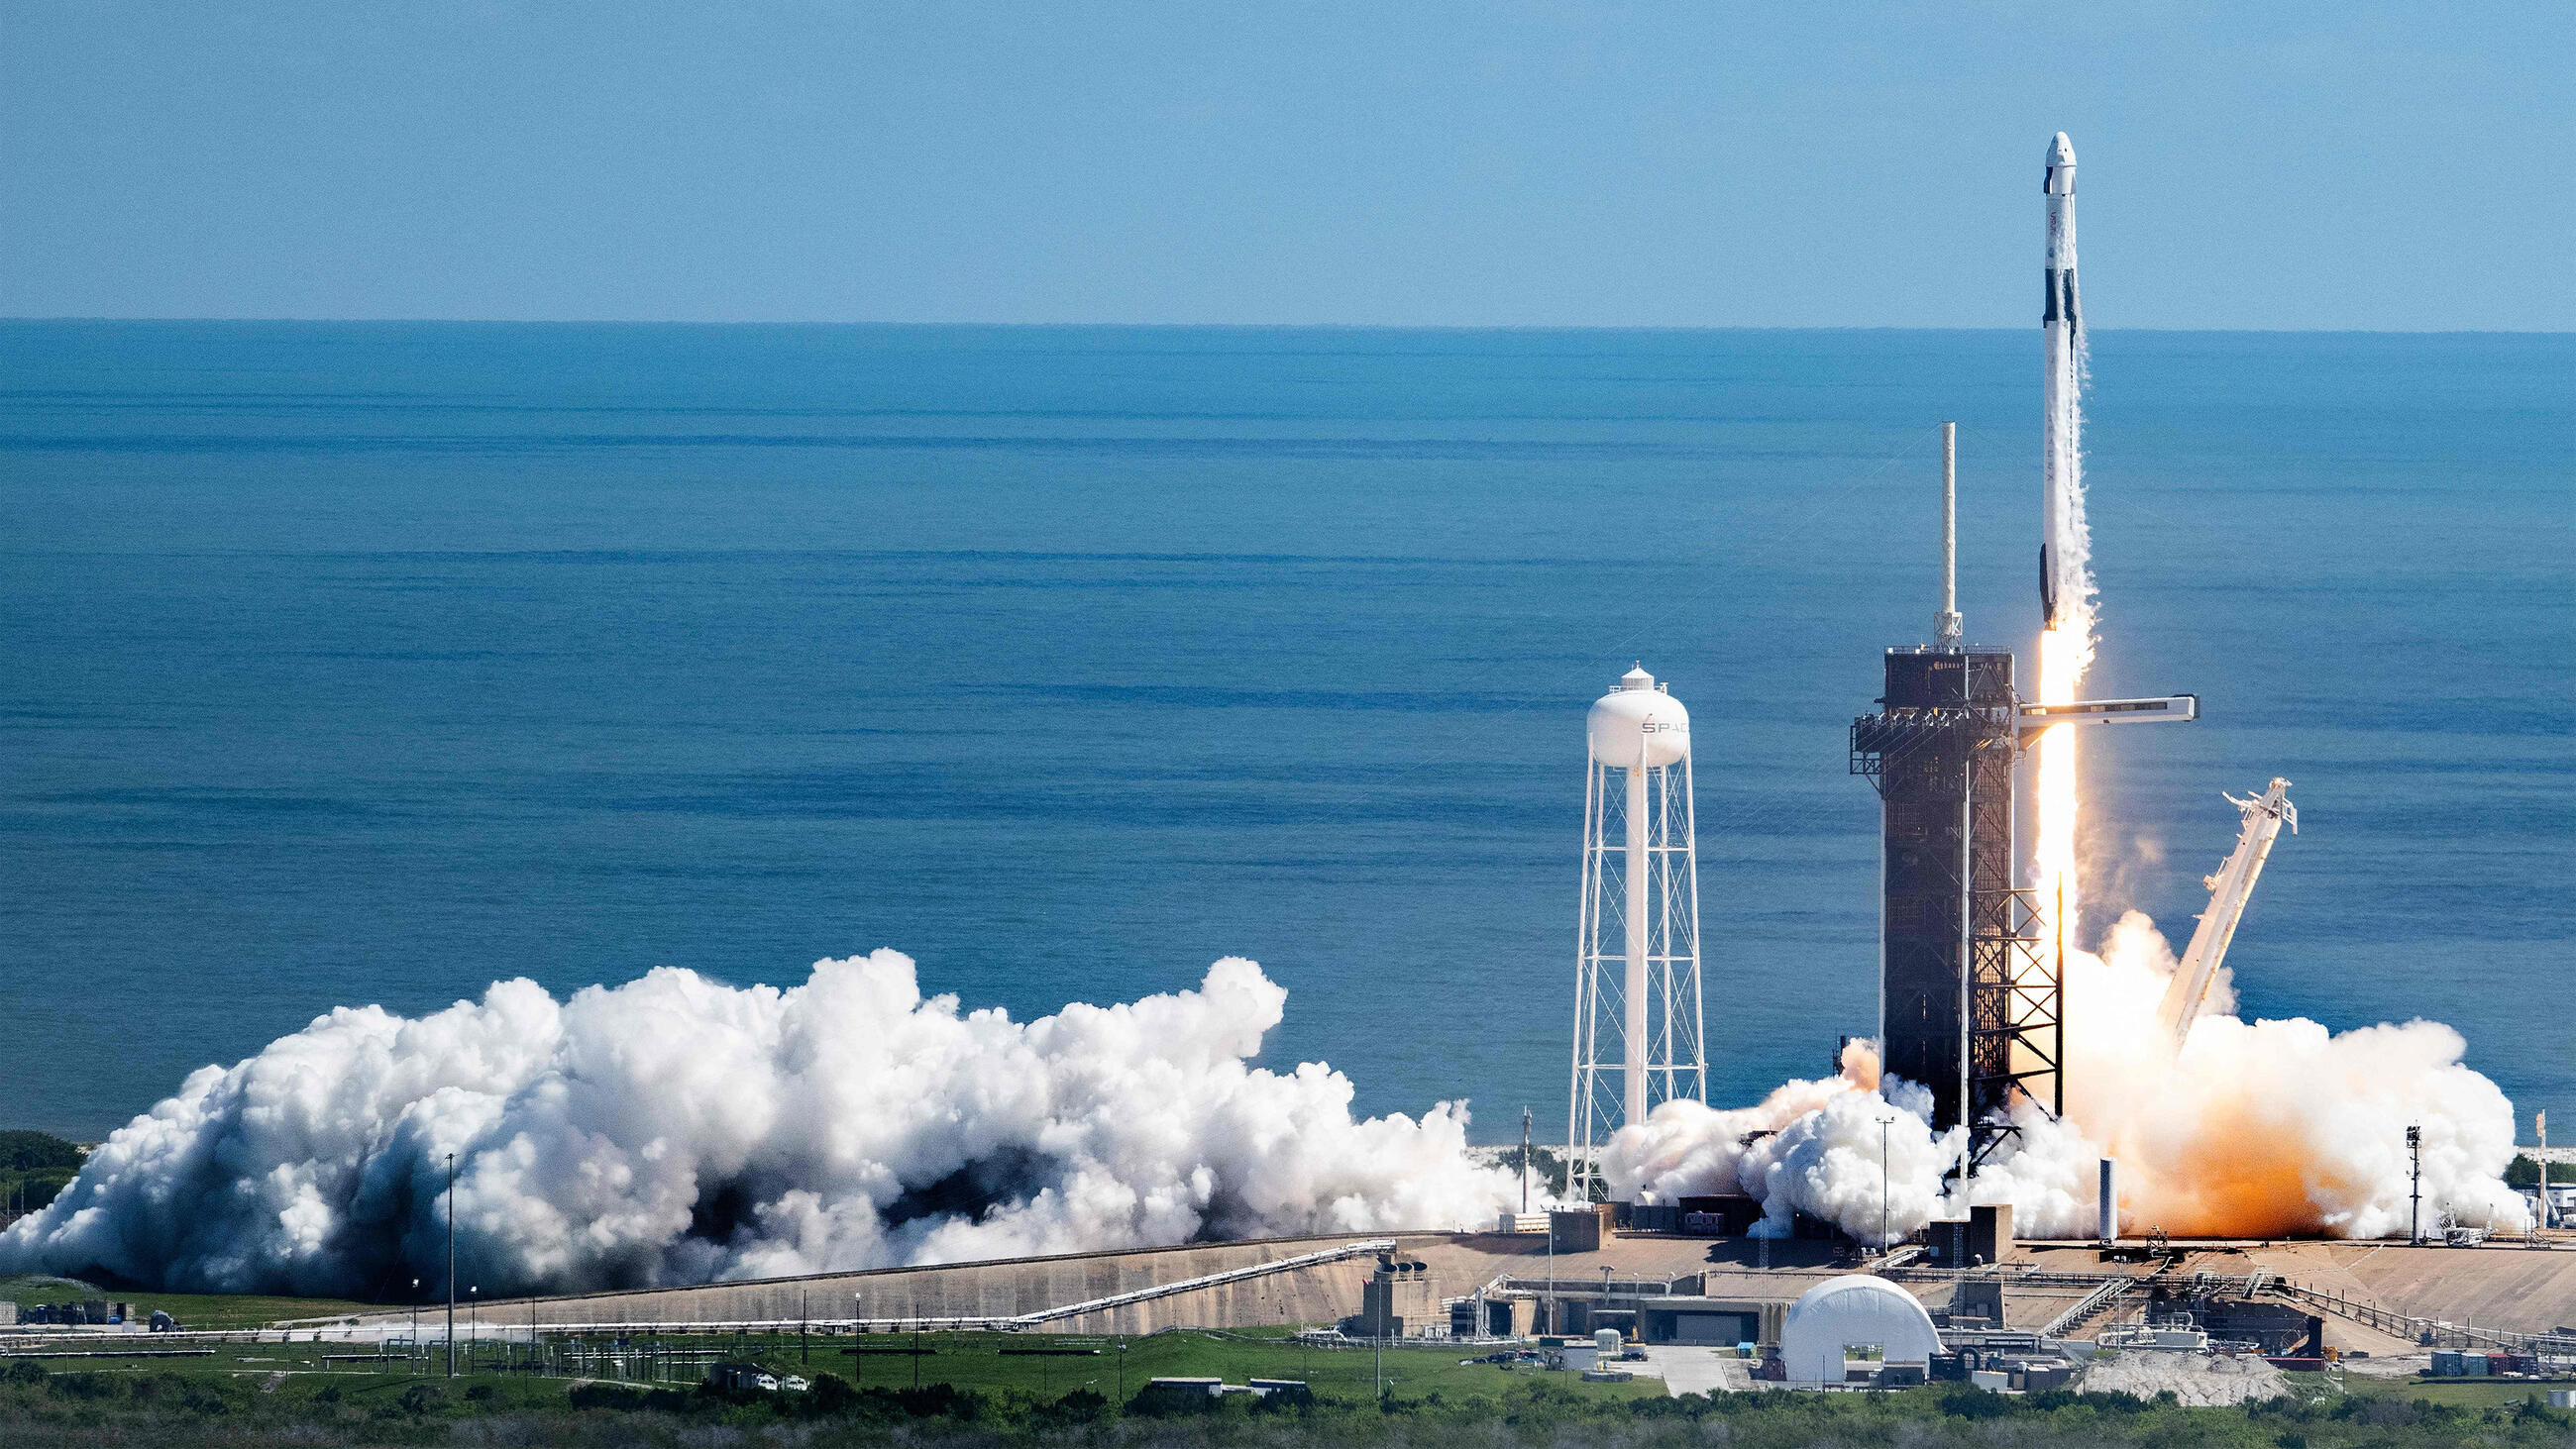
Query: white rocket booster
x,y
2061,549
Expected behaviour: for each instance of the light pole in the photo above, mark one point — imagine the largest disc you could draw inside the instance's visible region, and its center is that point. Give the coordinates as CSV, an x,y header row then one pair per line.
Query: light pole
x,y
2415,1197
451,1265
473,1335
412,1356
1882,1182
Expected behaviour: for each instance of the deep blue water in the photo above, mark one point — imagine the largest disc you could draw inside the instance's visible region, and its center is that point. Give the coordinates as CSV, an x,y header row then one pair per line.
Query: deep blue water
x,y
353,663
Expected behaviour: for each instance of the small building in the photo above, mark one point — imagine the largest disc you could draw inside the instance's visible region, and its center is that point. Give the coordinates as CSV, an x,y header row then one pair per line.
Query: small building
x,y
1579,1230
742,1377
1978,1302
1983,1238
1730,1215
1285,1391
1701,1319
1180,1390
1400,1296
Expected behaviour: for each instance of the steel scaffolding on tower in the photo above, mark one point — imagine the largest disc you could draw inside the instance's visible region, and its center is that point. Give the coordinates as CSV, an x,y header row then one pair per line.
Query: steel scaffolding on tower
x,y
1971,1003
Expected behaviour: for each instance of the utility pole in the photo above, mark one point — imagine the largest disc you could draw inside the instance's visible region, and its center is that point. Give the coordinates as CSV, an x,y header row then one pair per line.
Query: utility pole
x,y
1882,1157
2415,1198
451,1265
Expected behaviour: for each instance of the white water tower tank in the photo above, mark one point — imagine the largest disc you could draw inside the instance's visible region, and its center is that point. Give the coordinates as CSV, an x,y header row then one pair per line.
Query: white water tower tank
x,y
1638,723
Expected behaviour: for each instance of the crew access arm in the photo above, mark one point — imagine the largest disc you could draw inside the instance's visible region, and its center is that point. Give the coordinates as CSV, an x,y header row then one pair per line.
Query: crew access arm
x,y
2228,892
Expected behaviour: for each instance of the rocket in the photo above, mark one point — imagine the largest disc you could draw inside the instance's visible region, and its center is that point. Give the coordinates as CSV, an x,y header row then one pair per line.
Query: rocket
x,y
2061,552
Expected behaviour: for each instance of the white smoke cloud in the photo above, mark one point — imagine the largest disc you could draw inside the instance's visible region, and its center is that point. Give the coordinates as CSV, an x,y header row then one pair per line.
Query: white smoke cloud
x,y
675,1129
1811,1146
2253,1129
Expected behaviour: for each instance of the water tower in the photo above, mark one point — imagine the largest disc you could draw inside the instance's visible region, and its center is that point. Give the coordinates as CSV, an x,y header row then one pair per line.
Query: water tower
x,y
1637,1040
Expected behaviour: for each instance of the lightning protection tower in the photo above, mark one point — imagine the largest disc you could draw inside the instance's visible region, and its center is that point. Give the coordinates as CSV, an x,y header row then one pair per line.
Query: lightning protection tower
x,y
1637,1039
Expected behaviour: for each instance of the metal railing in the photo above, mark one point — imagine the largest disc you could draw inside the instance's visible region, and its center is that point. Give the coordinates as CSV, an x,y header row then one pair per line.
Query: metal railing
x,y
2085,1307
2416,1329
1581,1287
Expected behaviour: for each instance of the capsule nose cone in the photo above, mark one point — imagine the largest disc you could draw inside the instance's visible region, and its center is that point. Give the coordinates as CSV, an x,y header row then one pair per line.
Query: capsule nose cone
x,y
2061,152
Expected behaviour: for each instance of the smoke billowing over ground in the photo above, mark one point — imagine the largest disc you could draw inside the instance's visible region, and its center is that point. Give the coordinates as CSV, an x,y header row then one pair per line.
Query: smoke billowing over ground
x,y
2254,1129
674,1129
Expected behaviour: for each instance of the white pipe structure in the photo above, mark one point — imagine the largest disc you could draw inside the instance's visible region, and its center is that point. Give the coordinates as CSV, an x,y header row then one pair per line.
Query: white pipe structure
x,y
2061,552
1945,625
1637,1008
2229,890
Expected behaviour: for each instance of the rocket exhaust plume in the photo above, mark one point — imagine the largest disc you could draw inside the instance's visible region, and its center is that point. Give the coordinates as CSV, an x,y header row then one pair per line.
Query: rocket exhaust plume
x,y
2262,1128
2065,550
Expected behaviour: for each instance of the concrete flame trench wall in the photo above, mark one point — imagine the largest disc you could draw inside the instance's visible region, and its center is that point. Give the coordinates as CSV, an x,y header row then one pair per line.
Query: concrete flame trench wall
x,y
1316,1294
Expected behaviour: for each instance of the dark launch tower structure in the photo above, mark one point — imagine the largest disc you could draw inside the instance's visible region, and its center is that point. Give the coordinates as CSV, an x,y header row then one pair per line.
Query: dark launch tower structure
x,y
1970,1004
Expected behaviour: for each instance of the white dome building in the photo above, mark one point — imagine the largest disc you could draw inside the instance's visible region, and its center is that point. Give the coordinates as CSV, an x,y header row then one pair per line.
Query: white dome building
x,y
1852,1311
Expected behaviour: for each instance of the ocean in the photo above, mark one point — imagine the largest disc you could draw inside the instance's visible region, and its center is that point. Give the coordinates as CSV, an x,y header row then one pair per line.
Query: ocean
x,y
373,662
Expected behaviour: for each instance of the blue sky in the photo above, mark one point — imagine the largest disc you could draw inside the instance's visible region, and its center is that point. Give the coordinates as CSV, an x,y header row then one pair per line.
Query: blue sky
x,y
2283,165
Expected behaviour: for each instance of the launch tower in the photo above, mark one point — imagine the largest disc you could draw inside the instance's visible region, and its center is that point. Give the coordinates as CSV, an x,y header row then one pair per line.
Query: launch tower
x,y
1970,1005
1971,995
1970,1000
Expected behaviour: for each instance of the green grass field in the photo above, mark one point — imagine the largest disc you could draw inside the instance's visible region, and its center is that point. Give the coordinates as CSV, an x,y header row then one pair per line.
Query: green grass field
x,y
193,1310
969,1361
2445,1391
297,1395
971,1394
